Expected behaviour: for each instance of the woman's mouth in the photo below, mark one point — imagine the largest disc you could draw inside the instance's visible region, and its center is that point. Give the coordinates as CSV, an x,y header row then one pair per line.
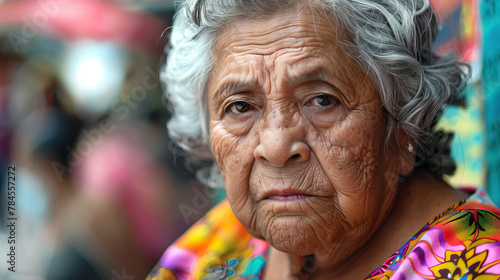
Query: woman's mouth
x,y
285,194
290,197
289,201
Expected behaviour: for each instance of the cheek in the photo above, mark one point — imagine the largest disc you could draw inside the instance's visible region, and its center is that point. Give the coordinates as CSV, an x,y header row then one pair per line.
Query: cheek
x,y
224,146
234,155
350,169
351,155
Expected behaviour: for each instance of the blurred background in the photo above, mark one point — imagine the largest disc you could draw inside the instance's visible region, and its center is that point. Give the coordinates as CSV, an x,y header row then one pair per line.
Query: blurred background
x,y
101,190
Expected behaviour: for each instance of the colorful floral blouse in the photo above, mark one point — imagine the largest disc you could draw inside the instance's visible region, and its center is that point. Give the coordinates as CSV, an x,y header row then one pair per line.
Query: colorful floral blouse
x,y
461,243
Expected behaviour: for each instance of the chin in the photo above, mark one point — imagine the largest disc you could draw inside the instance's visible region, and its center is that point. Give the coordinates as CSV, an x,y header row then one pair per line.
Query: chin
x,y
294,236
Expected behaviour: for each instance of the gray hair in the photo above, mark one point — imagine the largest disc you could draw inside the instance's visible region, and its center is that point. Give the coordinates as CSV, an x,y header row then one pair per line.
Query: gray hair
x,y
389,39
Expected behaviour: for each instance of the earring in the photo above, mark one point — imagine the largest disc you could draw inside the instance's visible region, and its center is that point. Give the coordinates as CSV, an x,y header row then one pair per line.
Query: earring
x,y
410,147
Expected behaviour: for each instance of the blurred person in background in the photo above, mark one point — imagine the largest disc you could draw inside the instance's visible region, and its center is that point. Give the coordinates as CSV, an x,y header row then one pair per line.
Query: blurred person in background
x,y
122,208
42,195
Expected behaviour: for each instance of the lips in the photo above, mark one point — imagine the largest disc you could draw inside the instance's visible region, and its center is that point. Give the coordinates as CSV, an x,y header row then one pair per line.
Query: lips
x,y
285,195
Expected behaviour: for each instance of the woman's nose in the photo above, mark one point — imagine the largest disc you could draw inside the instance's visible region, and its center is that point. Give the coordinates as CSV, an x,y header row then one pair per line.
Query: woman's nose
x,y
281,145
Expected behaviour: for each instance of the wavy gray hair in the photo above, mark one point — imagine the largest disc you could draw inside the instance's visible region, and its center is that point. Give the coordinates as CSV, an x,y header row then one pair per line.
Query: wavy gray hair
x,y
389,39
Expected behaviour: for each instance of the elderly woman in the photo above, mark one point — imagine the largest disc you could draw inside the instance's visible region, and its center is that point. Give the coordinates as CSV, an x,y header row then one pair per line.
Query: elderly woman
x,y
319,118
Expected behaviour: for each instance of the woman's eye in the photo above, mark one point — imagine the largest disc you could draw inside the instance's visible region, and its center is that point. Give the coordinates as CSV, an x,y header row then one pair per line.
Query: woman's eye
x,y
323,100
239,107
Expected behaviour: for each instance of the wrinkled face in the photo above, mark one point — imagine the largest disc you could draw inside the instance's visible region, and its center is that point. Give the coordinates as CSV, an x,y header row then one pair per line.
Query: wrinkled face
x,y
298,132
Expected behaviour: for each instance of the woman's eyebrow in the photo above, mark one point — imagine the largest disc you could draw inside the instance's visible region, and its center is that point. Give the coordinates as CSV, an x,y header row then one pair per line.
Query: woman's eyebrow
x,y
231,87
320,73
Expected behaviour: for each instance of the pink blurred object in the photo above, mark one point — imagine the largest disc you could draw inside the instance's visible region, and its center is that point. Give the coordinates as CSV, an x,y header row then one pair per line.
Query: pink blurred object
x,y
71,20
117,169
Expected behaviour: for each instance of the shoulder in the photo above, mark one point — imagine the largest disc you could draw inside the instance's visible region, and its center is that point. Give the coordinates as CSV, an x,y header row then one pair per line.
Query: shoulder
x,y
216,244
477,213
463,241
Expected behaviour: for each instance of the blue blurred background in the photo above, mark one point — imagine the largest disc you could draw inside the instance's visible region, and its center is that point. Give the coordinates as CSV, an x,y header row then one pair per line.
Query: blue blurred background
x,y
100,188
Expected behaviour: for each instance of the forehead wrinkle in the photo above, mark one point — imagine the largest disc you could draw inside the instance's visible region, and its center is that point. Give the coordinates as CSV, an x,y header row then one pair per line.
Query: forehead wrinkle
x,y
316,69
251,33
274,47
239,80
